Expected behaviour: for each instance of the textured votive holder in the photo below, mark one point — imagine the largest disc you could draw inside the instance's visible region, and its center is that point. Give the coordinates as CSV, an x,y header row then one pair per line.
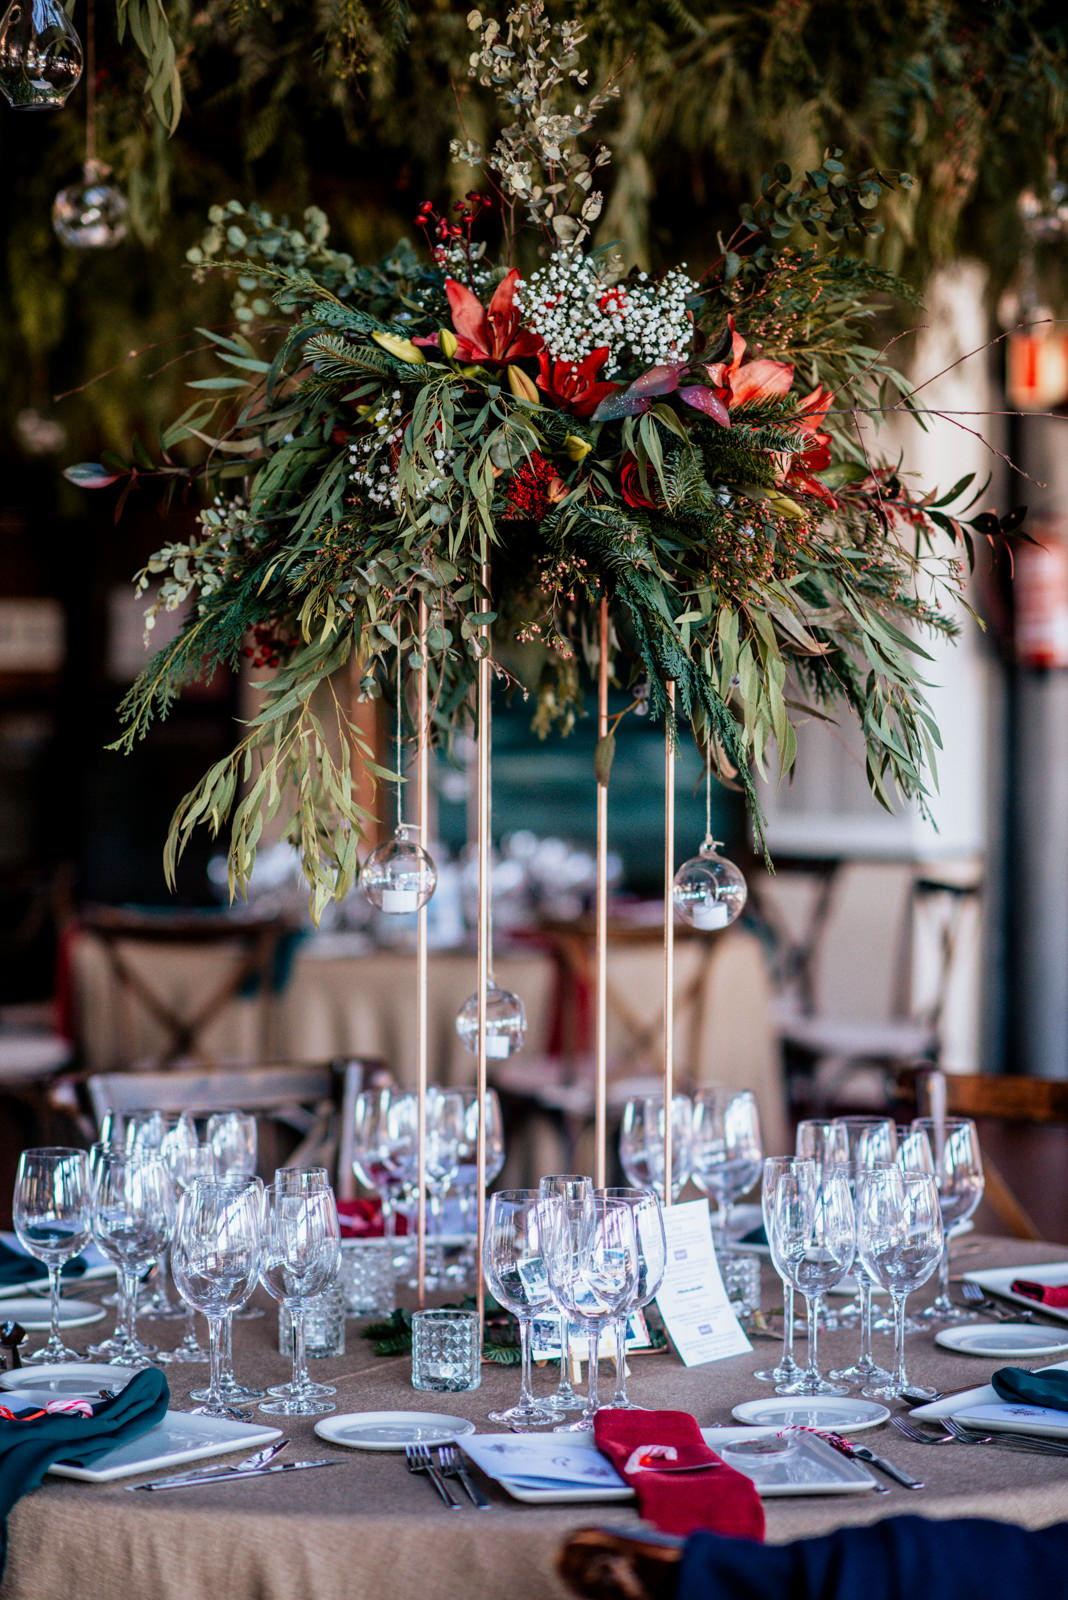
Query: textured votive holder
x,y
324,1325
367,1276
446,1351
741,1279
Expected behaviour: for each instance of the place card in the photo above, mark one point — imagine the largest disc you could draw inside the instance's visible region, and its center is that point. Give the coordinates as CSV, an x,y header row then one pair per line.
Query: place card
x,y
692,1299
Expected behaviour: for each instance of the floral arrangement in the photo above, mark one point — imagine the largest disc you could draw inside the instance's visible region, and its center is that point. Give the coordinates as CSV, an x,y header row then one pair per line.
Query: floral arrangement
x,y
509,440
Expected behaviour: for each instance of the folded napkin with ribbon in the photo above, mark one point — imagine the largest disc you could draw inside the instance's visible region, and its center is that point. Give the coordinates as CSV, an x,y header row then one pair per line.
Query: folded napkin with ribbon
x,y
17,1268
362,1219
32,1440
956,1559
1049,1388
1047,1294
652,1450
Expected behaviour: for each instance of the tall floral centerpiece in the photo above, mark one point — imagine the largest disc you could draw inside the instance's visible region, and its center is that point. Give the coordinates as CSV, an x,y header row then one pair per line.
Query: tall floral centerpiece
x,y
509,437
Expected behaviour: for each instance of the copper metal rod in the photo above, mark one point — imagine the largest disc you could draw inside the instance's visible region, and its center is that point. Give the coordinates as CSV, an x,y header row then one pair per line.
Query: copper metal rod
x,y
421,1036
669,935
600,1100
484,734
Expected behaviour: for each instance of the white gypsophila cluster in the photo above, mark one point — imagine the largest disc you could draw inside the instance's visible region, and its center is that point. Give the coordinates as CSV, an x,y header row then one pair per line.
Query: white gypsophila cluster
x,y
575,310
474,275
373,459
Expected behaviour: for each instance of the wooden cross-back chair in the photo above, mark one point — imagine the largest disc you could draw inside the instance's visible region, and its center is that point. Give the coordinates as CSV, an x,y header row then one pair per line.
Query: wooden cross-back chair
x,y
1009,1112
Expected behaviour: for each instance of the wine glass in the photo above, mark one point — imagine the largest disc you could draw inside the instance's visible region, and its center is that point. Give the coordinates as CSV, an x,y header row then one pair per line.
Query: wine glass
x,y
565,1186
899,1238
445,1125
727,1148
641,1142
871,1142
370,1152
188,1163
822,1141
53,1220
131,1224
465,1183
593,1275
651,1242
513,1260
813,1240
788,1369
232,1136
301,1258
958,1172
215,1257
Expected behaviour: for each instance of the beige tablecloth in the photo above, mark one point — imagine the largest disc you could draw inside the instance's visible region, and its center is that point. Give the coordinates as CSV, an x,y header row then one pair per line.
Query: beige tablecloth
x,y
366,1529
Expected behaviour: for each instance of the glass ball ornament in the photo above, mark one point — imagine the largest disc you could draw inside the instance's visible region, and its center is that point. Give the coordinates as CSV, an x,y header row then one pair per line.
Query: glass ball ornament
x,y
399,876
506,1023
90,214
708,890
40,55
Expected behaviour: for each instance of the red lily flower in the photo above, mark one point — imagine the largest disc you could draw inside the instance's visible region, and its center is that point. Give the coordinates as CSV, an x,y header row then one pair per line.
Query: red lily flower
x,y
490,336
573,385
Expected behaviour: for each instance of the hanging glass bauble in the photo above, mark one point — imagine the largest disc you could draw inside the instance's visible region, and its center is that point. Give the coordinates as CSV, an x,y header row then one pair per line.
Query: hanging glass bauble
x,y
90,214
506,1023
399,875
40,54
708,890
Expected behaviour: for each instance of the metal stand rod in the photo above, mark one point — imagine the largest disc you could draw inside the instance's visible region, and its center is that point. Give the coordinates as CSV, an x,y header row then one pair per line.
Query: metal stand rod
x,y
421,1034
484,732
600,1112
669,936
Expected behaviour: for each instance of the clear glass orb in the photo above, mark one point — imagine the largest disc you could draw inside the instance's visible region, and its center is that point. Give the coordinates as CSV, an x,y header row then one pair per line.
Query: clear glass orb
x,y
40,55
399,876
506,1023
709,891
90,214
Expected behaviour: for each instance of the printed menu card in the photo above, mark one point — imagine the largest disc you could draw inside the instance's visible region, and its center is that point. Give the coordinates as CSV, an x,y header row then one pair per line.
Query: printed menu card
x,y
692,1299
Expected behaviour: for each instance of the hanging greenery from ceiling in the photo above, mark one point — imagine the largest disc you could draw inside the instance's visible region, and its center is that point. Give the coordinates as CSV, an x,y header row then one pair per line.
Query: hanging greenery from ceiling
x,y
509,438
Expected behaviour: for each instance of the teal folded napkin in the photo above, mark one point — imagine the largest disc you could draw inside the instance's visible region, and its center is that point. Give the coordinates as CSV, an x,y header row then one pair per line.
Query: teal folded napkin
x,y
1032,1388
755,1235
18,1268
30,1443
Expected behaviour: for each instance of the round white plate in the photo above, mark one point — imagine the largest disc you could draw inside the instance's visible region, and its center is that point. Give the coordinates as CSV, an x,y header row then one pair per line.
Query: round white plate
x,y
35,1314
1002,1339
844,1415
392,1430
68,1380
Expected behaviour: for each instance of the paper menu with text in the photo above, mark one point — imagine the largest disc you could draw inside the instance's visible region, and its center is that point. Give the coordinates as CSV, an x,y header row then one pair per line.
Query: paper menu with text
x,y
692,1299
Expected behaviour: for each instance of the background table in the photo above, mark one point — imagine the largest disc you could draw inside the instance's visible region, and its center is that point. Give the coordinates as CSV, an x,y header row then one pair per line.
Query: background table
x,y
368,1530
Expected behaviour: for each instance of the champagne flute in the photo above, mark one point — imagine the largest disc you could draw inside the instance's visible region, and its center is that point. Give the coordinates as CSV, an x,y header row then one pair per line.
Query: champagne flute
x,y
513,1260
651,1242
53,1220
958,1172
727,1148
301,1258
813,1241
215,1257
575,1187
899,1238
593,1274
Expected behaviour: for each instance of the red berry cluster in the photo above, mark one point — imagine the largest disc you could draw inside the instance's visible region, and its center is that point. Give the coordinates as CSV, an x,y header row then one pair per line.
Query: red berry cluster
x,y
265,646
528,488
469,209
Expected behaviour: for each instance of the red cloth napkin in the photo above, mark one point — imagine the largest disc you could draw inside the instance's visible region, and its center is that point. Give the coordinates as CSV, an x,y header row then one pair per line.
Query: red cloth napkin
x,y
716,1500
1050,1294
362,1219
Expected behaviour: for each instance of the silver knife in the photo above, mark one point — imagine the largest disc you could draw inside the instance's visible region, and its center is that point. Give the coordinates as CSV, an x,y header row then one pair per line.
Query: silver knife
x,y
864,1454
184,1482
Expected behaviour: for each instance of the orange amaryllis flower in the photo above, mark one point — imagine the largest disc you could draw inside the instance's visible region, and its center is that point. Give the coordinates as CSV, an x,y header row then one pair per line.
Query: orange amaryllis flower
x,y
737,382
573,385
490,336
817,451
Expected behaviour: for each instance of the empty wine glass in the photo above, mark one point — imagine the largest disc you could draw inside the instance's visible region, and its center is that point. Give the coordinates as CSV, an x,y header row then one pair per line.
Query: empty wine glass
x,y
53,1219
822,1141
727,1148
445,1122
642,1141
187,1163
813,1240
465,1183
215,1258
871,1142
371,1162
788,1369
301,1258
651,1242
131,1224
958,1173
565,1186
513,1260
899,1238
593,1275
232,1136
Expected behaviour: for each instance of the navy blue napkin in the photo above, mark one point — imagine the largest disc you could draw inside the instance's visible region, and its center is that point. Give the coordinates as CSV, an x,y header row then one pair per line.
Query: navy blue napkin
x,y
18,1268
1017,1385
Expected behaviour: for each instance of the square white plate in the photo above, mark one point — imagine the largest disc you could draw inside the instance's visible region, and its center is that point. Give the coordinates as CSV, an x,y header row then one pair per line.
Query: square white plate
x,y
180,1437
998,1280
983,1408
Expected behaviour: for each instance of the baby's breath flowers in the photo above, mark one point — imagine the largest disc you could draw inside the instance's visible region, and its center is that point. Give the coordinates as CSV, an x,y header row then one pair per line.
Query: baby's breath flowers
x,y
577,308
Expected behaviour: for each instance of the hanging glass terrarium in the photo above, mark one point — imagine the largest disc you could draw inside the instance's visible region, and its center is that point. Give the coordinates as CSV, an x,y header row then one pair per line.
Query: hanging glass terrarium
x,y
91,214
40,55
506,1023
399,876
708,890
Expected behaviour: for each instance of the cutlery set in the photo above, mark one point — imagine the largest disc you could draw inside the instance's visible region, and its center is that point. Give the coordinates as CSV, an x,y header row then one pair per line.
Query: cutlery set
x,y
954,1433
448,1465
259,1465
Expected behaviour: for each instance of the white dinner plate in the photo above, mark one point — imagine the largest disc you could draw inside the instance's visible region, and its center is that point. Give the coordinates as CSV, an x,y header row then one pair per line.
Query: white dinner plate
x,y
178,1438
34,1313
67,1380
392,1430
1002,1339
1000,1279
983,1408
842,1414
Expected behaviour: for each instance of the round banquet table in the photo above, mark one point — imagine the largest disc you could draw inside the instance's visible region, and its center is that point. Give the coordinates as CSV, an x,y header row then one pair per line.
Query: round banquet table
x,y
367,1528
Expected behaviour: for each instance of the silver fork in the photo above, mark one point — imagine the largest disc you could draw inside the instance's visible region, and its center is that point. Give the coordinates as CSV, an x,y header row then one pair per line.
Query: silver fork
x,y
419,1460
1015,1441
973,1294
910,1431
451,1463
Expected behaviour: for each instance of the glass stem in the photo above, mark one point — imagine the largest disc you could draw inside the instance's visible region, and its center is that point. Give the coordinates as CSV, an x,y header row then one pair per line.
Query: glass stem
x,y
899,1341
389,1215
129,1294
620,1396
788,1329
526,1391
437,1267
563,1388
53,1288
942,1300
228,1346
300,1359
593,1339
865,1286
215,1396
812,1314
